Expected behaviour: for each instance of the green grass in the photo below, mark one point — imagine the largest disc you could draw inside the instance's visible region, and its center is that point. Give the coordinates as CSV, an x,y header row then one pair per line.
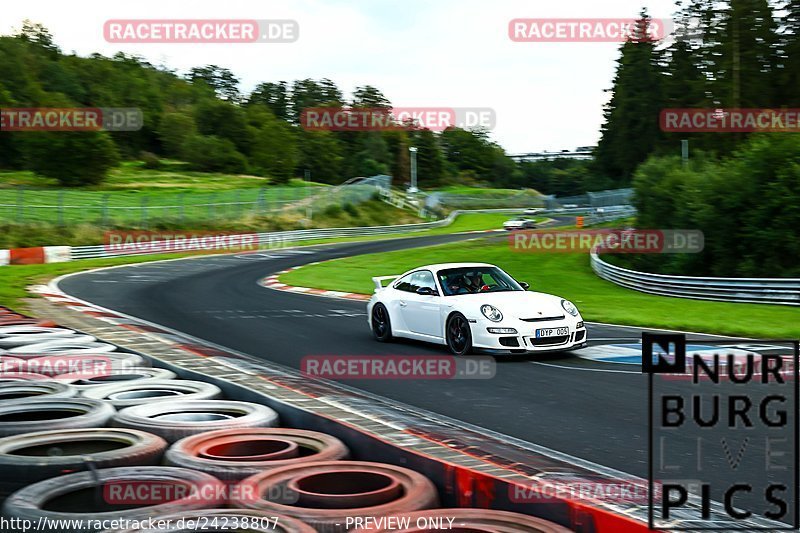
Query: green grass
x,y
133,194
567,275
14,279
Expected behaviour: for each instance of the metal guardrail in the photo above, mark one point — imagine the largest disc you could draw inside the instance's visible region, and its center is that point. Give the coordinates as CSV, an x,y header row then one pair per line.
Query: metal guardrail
x,y
781,291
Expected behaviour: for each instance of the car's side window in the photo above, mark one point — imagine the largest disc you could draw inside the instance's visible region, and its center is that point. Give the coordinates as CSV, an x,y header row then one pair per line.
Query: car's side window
x,y
424,278
404,283
412,282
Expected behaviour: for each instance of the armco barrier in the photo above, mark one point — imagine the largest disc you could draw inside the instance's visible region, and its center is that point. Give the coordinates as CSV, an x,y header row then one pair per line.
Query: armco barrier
x,y
51,254
782,291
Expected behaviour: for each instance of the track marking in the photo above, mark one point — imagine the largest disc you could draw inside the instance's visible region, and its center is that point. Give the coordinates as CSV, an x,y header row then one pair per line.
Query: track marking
x,y
585,369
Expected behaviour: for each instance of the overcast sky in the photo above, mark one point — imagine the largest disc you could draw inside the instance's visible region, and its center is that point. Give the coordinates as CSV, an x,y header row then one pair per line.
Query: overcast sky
x,y
420,53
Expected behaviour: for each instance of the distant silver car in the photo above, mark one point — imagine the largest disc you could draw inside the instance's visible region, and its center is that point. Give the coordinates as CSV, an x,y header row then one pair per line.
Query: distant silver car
x,y
534,210
518,223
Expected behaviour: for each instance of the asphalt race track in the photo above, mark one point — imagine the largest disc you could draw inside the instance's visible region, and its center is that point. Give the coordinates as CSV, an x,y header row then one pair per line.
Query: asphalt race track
x,y
591,409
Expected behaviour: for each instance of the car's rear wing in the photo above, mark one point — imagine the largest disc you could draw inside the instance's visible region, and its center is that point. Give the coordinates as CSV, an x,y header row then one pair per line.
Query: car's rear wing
x,y
378,281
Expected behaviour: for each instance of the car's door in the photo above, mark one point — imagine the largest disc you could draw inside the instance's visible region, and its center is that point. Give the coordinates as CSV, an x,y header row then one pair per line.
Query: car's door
x,y
421,311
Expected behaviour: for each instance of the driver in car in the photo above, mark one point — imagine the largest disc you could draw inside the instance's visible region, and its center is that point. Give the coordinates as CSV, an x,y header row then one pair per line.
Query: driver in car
x,y
473,281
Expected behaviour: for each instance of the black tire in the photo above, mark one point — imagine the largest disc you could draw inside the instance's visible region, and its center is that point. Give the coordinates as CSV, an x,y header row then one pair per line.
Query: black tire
x,y
33,457
458,334
59,498
122,395
27,416
24,390
181,418
234,454
381,323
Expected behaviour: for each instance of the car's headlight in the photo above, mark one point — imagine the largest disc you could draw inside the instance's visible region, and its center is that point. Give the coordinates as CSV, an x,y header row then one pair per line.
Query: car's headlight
x,y
492,313
569,307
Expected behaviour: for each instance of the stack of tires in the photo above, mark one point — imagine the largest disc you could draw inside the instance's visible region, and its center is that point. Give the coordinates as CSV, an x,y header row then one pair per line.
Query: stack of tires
x,y
137,447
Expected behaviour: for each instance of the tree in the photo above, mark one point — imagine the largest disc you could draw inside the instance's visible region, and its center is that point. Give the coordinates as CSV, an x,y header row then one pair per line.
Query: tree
x,y
220,79
274,96
274,152
630,131
369,97
72,158
213,154
173,132
321,153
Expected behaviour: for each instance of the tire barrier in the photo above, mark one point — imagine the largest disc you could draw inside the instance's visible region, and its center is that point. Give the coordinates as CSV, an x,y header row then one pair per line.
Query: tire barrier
x,y
474,520
325,494
23,390
75,345
234,454
225,520
181,418
166,489
9,364
33,457
10,376
12,336
85,365
122,395
80,381
27,416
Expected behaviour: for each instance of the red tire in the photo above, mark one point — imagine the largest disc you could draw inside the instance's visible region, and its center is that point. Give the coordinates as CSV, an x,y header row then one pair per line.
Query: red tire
x,y
465,520
234,454
326,494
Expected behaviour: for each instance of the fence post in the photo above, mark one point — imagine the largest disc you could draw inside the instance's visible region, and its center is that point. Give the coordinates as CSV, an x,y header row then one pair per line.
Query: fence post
x,y
211,210
260,205
143,222
61,207
104,215
181,206
238,204
20,203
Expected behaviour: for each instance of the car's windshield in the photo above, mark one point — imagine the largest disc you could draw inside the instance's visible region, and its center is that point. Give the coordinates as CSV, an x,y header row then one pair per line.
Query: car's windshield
x,y
473,280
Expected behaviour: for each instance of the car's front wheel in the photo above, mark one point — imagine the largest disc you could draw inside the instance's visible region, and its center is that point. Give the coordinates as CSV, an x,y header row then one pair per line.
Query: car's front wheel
x,y
381,324
458,334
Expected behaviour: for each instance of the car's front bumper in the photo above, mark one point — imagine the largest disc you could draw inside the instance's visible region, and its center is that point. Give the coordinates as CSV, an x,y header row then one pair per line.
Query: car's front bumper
x,y
525,337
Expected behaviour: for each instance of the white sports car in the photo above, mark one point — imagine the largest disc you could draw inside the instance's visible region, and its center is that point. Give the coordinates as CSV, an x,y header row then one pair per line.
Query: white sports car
x,y
472,305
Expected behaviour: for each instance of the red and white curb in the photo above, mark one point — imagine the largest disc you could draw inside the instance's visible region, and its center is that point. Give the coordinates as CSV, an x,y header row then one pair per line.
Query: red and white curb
x,y
272,282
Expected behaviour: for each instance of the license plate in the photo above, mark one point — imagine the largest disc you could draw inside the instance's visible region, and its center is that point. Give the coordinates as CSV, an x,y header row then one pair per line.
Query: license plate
x,y
551,332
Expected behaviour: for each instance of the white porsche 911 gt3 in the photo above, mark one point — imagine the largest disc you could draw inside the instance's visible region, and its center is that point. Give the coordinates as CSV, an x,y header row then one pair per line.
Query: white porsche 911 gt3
x,y
472,305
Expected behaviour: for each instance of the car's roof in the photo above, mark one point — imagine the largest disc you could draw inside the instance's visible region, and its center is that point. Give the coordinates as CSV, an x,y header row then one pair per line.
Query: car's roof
x,y
443,266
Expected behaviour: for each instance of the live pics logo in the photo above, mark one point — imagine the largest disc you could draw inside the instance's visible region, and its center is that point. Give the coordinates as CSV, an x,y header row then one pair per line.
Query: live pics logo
x,y
723,434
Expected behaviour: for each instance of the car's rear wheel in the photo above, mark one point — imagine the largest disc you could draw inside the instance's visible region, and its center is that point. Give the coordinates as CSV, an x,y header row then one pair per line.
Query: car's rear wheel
x,y
381,323
458,334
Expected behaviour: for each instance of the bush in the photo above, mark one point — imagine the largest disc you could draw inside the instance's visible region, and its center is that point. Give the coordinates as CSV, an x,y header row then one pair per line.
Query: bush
x,y
212,154
150,160
350,209
333,210
72,158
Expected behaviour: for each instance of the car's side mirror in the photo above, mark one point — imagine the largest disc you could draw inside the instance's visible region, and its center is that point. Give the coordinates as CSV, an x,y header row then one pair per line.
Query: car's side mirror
x,y
426,291
524,285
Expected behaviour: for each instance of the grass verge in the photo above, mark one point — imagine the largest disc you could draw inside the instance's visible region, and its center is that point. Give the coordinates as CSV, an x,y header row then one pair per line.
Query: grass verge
x,y
567,275
14,279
